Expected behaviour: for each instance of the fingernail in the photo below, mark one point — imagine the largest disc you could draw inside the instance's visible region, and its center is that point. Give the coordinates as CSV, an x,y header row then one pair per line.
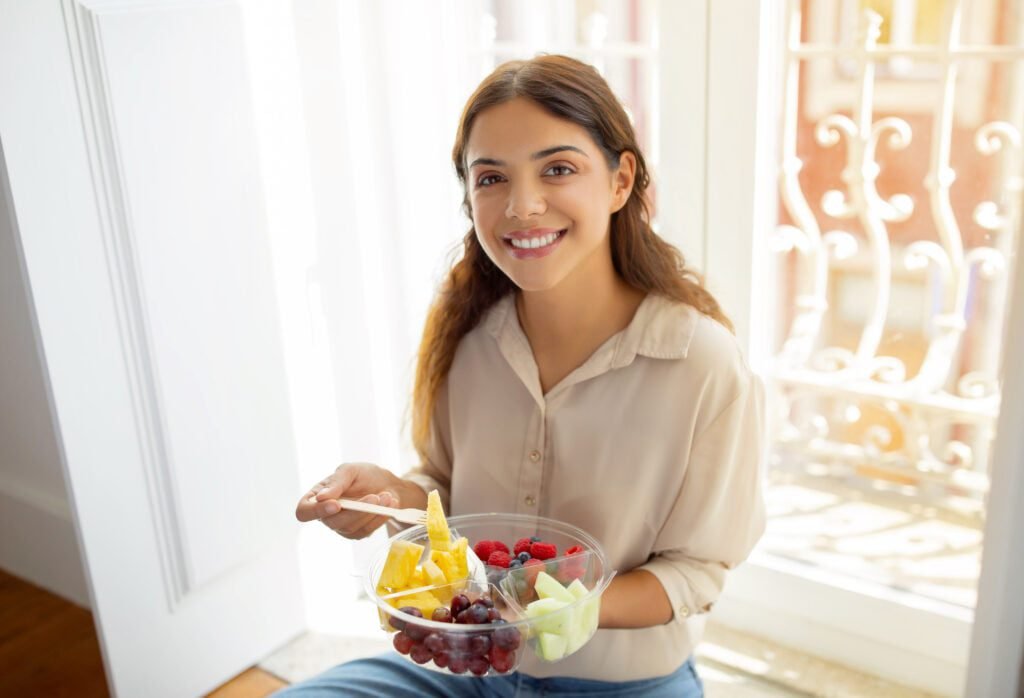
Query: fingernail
x,y
331,508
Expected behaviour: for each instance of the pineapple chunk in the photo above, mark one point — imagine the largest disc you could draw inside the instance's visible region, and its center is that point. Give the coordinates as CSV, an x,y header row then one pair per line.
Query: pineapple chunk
x,y
424,601
400,565
418,579
434,574
437,525
461,564
446,562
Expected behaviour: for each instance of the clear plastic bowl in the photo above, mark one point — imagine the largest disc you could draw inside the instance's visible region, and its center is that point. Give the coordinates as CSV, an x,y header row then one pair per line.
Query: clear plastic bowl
x,y
551,631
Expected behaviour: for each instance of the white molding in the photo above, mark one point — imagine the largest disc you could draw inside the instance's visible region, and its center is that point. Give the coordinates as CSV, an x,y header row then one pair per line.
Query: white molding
x,y
742,104
896,635
997,644
679,165
86,50
52,559
44,501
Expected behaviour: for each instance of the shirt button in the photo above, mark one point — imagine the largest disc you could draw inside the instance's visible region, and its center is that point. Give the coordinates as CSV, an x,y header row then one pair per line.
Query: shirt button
x,y
684,611
531,500
535,456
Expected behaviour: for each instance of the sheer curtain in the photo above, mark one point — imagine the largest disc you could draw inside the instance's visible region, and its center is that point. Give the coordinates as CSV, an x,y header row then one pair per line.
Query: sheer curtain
x,y
382,86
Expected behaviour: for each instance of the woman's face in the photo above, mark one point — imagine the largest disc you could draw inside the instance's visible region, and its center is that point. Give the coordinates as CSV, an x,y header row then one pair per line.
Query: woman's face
x,y
542,194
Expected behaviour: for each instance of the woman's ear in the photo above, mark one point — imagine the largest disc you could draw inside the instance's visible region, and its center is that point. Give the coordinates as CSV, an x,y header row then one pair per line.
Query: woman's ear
x,y
622,180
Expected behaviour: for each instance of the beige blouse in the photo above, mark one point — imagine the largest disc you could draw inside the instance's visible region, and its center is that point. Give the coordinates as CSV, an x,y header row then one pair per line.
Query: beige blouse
x,y
653,446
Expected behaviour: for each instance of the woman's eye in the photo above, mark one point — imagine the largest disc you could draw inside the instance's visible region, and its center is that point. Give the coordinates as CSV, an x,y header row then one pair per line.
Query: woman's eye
x,y
559,170
487,180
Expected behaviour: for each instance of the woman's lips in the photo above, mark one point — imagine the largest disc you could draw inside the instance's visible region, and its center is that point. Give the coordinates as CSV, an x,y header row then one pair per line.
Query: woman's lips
x,y
534,243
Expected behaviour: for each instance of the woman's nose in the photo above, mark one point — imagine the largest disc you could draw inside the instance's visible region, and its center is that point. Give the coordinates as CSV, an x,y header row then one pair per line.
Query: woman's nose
x,y
525,200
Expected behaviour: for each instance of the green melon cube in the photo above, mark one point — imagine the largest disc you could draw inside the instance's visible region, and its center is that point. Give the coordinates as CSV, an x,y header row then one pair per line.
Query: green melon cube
x,y
552,646
548,587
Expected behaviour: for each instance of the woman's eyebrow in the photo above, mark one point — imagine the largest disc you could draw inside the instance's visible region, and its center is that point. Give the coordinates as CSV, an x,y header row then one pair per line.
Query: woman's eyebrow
x,y
539,155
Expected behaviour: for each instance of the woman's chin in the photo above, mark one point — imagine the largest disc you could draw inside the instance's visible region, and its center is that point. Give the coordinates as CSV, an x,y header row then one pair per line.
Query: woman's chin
x,y
535,285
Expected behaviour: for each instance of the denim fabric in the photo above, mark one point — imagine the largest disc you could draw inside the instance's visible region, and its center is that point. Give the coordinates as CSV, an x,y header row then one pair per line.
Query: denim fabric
x,y
391,676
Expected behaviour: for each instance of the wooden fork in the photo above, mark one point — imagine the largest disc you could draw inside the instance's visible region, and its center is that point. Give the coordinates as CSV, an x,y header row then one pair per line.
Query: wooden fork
x,y
409,516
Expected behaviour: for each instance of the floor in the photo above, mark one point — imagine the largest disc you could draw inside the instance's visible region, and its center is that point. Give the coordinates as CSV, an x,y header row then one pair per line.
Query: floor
x,y
48,647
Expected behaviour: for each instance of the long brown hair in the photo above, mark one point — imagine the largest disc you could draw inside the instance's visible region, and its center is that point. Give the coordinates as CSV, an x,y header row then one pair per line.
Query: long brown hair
x,y
572,90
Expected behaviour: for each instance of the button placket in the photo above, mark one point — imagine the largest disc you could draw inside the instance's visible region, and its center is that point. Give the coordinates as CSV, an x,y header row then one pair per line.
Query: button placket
x,y
531,477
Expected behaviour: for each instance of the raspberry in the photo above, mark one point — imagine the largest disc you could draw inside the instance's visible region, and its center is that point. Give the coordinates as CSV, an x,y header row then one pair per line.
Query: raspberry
x,y
498,559
574,550
484,548
523,544
498,545
543,551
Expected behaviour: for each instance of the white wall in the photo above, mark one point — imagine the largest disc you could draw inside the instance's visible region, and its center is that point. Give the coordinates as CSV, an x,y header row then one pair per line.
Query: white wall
x,y
38,541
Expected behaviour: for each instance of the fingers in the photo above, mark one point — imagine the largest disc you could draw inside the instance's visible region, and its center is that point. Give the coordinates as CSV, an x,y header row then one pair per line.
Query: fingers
x,y
371,526
356,524
335,485
318,501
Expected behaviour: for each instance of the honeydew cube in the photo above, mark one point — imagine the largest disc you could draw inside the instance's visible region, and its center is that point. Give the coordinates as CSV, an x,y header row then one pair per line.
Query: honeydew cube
x,y
539,611
552,647
547,587
577,589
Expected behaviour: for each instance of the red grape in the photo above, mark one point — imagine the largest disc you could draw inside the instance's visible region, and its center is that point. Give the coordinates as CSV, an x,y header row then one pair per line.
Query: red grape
x,y
479,665
402,642
420,654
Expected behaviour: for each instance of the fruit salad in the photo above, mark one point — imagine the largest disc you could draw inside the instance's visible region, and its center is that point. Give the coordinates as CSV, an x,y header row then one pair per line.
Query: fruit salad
x,y
476,594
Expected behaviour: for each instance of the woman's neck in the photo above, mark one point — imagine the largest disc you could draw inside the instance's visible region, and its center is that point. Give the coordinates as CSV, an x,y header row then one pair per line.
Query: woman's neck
x,y
579,314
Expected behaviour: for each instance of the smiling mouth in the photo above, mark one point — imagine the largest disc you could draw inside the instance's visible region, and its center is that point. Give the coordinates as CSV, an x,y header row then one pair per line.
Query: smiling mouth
x,y
535,242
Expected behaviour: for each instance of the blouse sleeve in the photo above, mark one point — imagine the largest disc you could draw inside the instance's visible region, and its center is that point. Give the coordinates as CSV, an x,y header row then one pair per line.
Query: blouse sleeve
x,y
719,512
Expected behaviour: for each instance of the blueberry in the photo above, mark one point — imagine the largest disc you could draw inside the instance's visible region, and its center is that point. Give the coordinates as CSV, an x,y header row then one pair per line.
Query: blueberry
x,y
514,564
535,539
523,556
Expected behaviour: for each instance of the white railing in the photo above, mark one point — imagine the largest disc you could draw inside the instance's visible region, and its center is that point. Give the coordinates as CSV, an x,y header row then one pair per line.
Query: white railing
x,y
937,424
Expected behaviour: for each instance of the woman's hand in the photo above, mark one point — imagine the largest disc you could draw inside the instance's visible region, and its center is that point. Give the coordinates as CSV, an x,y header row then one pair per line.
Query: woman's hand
x,y
363,481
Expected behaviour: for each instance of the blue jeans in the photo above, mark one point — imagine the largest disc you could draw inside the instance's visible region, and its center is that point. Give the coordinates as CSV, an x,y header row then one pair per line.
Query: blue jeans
x,y
391,676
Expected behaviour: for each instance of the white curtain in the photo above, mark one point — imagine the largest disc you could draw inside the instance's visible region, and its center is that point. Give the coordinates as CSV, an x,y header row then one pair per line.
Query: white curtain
x,y
382,85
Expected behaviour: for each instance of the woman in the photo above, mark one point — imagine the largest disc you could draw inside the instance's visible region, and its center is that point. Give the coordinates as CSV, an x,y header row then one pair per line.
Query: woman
x,y
572,367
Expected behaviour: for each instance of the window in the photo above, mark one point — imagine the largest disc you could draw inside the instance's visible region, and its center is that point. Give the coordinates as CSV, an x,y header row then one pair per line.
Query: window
x,y
898,180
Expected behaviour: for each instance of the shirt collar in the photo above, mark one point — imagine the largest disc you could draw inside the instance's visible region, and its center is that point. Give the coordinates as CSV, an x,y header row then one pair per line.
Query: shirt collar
x,y
661,328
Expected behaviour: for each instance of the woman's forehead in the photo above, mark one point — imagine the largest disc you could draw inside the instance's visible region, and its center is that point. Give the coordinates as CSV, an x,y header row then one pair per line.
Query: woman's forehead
x,y
518,129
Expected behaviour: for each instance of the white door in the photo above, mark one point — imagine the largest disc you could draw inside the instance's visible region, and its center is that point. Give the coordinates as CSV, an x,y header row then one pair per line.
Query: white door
x,y
131,150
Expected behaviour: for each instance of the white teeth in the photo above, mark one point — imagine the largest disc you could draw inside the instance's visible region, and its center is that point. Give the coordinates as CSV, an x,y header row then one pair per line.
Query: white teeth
x,y
533,243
